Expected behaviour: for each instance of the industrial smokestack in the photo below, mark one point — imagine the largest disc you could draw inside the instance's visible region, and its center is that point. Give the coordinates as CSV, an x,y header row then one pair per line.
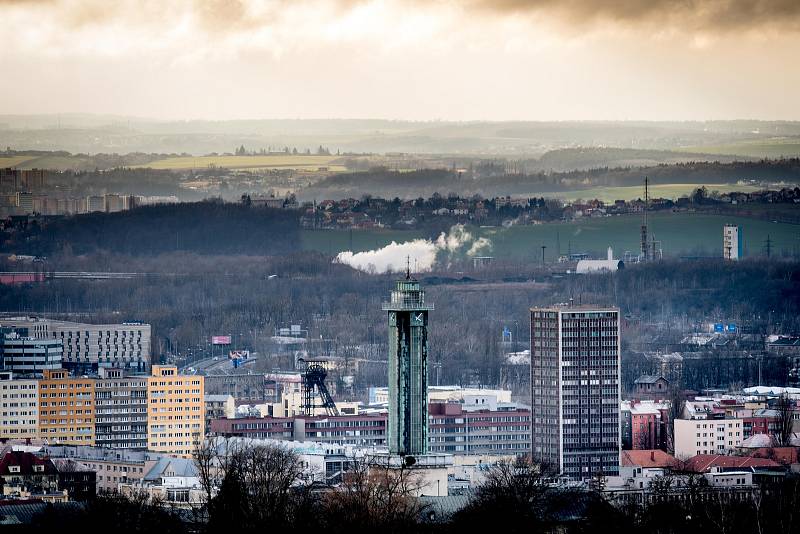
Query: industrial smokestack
x,y
610,254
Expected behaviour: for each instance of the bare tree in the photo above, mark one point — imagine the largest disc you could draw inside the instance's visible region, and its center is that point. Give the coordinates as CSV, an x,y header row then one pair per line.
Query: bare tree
x,y
373,495
785,408
522,491
252,485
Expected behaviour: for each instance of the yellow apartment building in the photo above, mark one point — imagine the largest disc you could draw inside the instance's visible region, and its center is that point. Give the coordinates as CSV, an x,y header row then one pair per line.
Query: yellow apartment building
x,y
176,411
66,408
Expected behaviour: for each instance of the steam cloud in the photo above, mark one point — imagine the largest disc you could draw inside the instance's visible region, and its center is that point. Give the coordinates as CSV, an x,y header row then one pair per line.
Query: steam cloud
x,y
423,253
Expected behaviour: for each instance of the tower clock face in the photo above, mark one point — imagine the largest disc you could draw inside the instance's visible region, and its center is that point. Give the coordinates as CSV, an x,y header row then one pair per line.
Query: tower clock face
x,y
417,319
392,319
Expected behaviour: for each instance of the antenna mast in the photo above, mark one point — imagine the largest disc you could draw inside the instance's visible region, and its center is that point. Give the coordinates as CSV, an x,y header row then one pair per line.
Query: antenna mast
x,y
644,255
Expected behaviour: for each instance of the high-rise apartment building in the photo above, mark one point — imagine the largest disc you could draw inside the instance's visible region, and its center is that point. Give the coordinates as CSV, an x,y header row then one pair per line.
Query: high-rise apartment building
x,y
66,408
87,347
176,419
19,407
120,410
408,371
575,390
731,242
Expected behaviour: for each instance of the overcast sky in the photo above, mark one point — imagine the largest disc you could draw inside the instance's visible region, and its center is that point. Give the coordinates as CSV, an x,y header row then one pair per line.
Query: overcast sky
x,y
403,59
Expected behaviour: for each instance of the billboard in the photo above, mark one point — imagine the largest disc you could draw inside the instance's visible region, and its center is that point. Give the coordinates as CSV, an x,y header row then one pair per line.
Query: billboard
x,y
220,340
731,327
718,327
239,354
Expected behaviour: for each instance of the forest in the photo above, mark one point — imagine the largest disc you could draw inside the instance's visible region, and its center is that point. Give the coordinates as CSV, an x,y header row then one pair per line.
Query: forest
x,y
209,227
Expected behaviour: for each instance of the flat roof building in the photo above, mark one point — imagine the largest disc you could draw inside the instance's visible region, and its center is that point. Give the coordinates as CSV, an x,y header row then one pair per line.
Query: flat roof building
x,y
575,389
26,355
19,407
87,347
176,418
66,408
120,410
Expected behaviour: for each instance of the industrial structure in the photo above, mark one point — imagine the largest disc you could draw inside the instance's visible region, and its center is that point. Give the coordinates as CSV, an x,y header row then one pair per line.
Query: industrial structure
x,y
648,250
594,266
314,386
575,389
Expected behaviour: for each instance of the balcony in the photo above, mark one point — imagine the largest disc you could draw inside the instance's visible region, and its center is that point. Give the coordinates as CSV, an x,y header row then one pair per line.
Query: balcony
x,y
401,300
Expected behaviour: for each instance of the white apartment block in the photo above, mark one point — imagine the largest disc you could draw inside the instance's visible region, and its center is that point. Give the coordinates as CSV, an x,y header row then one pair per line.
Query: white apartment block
x,y
706,436
731,242
19,407
90,346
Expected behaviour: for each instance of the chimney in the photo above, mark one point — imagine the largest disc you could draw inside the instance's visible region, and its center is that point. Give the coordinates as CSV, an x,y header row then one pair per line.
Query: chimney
x,y
652,456
610,254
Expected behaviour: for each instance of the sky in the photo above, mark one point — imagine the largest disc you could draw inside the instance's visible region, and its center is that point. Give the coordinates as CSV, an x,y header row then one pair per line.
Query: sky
x,y
403,59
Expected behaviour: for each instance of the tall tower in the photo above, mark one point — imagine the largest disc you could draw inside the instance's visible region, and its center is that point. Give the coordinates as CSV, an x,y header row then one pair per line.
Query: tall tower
x,y
408,368
575,390
644,255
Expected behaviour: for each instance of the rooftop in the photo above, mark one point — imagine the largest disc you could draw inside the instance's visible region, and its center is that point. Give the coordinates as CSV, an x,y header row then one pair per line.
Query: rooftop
x,y
704,462
647,458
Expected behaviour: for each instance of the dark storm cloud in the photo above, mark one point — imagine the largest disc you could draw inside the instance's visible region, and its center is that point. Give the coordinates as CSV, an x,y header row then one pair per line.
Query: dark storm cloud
x,y
705,15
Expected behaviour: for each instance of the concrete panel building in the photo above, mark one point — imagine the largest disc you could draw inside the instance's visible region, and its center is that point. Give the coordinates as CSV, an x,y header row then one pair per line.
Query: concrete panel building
x,y
120,410
706,436
575,389
66,408
219,407
176,418
19,407
87,347
26,355
731,242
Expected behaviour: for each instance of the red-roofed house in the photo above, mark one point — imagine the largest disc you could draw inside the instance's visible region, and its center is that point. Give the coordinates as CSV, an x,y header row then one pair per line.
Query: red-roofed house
x,y
23,474
648,458
703,463
782,455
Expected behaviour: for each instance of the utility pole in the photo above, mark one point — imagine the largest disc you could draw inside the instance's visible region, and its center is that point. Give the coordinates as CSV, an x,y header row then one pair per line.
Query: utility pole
x,y
558,244
543,247
768,246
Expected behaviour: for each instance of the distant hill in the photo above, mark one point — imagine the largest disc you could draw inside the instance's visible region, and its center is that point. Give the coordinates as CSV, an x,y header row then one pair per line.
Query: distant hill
x,y
387,183
93,134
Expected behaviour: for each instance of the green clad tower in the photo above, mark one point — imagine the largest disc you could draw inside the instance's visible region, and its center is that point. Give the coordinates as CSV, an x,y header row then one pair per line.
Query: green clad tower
x,y
408,368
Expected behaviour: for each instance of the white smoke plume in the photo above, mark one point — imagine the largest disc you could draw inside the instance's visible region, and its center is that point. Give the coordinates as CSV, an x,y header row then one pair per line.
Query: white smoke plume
x,y
423,253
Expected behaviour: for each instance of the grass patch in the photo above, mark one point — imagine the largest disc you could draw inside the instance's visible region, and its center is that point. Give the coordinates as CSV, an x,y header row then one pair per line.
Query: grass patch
x,y
681,234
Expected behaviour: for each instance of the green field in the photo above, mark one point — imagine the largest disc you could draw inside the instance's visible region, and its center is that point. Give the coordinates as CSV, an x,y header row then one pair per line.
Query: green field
x,y
299,162
682,234
755,148
671,191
